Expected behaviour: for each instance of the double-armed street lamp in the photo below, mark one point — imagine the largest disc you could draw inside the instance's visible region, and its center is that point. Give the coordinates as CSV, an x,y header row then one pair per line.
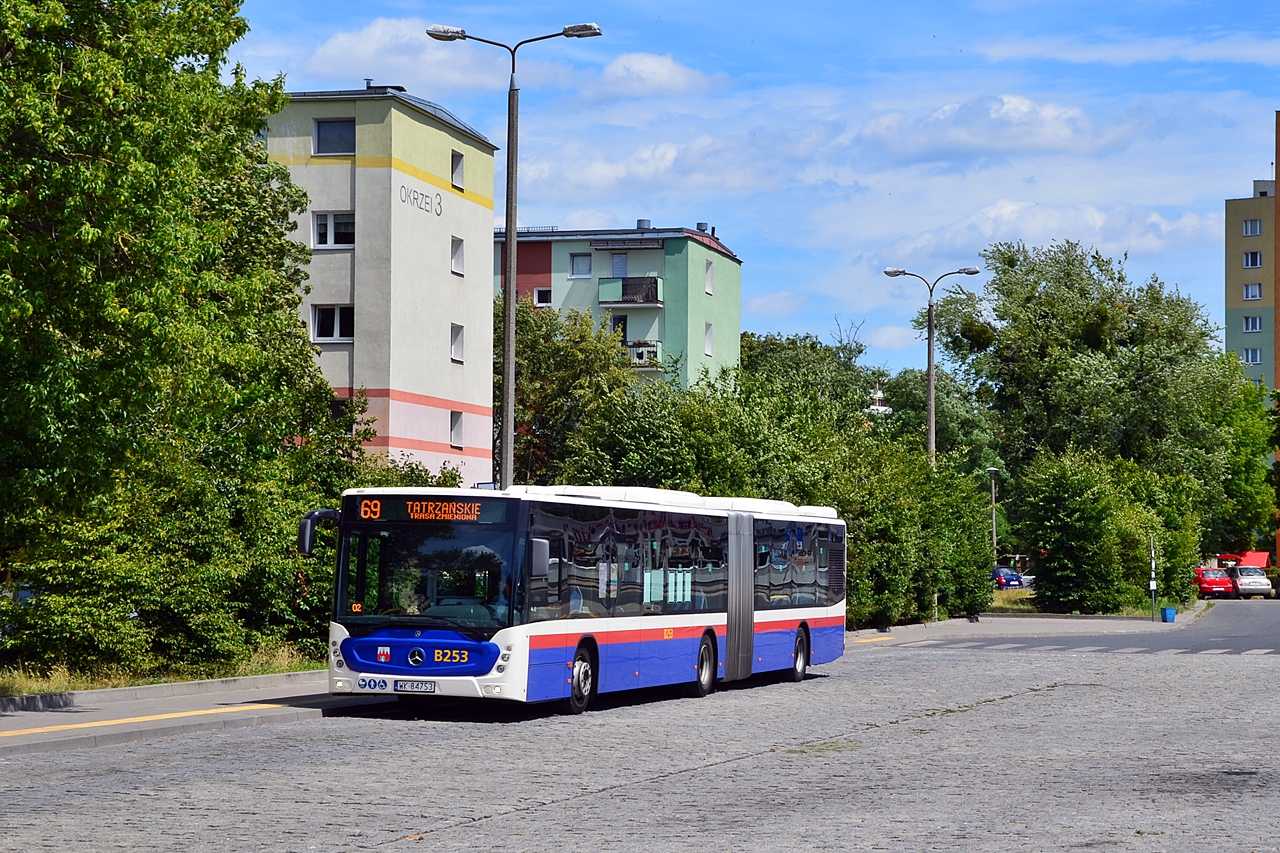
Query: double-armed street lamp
x,y
507,431
894,272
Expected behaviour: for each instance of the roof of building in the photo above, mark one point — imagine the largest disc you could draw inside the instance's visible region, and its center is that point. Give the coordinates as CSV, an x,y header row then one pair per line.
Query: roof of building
x,y
398,93
617,238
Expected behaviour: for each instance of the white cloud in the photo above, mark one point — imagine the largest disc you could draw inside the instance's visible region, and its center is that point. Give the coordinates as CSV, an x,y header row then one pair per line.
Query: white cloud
x,y
398,51
893,337
583,219
1234,48
1114,229
639,75
987,126
778,304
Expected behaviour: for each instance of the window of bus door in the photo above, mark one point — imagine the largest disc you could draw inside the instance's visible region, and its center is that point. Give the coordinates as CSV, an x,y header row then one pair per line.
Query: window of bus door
x,y
805,592
440,572
775,563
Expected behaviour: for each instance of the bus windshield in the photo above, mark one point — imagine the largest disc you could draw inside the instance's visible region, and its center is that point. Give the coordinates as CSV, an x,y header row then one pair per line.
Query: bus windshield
x,y
439,575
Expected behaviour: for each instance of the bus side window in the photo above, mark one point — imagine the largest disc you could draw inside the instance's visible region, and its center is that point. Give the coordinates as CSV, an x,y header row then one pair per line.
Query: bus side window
x,y
764,551
627,558
806,568
545,599
823,556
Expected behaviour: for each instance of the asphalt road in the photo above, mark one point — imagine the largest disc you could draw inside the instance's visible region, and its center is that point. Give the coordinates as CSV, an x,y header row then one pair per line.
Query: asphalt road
x,y
894,747
1230,627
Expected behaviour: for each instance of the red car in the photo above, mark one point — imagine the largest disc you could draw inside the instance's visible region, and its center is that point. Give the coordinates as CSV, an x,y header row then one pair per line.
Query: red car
x,y
1213,582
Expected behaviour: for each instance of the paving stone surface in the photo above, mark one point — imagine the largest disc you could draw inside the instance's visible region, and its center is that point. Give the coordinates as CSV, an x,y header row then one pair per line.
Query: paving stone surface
x,y
887,749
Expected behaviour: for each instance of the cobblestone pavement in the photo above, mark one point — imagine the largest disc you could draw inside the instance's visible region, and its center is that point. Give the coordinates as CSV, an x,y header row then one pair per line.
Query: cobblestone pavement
x,y
887,749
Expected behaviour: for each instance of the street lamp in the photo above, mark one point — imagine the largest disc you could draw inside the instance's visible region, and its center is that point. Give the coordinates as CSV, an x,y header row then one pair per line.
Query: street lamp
x,y
507,431
991,475
894,272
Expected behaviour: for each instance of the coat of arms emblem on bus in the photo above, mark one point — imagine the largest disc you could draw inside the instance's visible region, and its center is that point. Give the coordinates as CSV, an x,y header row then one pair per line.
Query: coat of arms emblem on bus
x,y
384,654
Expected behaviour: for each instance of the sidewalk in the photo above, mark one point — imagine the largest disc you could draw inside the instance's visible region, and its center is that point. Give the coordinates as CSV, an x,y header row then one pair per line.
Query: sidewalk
x,y
1003,625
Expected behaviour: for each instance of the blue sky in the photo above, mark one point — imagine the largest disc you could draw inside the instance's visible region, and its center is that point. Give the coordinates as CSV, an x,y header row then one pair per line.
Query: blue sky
x,y
826,141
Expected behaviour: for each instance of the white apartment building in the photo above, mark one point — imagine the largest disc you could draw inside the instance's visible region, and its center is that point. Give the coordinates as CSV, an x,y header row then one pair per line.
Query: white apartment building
x,y
401,291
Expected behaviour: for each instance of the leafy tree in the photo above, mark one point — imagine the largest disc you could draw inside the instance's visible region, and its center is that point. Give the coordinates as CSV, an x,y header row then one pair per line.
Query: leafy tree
x,y
963,425
1089,522
164,420
1072,355
565,365
116,123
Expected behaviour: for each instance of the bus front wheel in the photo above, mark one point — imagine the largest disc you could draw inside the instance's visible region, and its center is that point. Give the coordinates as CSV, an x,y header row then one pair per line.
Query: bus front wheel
x,y
582,682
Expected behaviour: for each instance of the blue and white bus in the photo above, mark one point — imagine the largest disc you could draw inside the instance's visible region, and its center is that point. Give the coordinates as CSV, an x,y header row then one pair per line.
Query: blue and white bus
x,y
559,593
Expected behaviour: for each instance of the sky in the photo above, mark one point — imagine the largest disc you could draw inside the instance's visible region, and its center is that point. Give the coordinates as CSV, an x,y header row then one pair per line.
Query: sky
x,y
827,141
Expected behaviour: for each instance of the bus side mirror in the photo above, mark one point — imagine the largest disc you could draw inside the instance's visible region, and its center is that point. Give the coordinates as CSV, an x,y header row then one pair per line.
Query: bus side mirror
x,y
307,528
541,557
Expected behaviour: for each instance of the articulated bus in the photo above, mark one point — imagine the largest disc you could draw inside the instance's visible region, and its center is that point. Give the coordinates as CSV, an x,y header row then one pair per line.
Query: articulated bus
x,y
560,593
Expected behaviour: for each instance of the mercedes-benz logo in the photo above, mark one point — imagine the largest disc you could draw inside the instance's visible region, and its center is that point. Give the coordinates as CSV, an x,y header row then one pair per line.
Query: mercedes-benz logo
x,y
416,657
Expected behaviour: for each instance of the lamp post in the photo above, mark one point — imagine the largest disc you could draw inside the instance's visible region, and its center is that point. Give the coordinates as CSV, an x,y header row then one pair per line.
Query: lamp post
x,y
894,272
507,431
991,475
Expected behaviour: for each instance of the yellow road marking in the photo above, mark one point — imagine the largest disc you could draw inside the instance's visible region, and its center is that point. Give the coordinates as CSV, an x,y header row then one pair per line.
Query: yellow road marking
x,y
125,720
875,639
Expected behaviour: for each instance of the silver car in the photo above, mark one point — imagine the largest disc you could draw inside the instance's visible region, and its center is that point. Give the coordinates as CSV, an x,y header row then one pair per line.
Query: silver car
x,y
1248,581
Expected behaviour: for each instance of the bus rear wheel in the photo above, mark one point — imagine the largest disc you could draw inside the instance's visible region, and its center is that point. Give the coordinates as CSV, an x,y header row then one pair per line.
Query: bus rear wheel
x,y
706,680
582,682
800,661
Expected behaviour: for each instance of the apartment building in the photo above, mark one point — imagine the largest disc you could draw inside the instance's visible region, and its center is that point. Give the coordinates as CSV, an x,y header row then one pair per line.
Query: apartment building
x,y
400,227
672,292
1251,281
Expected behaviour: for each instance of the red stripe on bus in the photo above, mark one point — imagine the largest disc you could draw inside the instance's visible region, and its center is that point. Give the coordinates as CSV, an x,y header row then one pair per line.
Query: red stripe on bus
x,y
632,635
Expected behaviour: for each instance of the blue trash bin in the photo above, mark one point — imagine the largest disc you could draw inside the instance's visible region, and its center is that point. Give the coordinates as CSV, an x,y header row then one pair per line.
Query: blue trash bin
x,y
1167,613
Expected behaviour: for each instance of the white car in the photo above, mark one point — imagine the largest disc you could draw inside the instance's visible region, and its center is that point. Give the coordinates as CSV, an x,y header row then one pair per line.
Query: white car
x,y
1248,581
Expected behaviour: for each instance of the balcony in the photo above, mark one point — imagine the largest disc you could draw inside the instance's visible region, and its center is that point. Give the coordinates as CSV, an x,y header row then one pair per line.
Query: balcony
x,y
637,290
645,355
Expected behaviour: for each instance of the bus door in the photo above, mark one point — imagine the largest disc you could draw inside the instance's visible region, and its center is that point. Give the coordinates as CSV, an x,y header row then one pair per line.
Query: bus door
x,y
740,636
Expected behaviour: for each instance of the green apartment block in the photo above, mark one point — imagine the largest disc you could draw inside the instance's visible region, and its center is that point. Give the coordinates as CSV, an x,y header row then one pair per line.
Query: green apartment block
x,y
673,292
1250,277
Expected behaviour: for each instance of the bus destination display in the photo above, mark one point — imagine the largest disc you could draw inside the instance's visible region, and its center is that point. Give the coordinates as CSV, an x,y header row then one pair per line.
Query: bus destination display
x,y
398,508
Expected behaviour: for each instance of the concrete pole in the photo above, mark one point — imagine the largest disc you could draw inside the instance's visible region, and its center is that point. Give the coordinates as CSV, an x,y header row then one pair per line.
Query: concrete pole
x,y
507,435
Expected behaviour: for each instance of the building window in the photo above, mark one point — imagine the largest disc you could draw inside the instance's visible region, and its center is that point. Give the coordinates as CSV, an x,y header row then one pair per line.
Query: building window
x,y
455,170
542,297
1253,227
335,230
619,265
1253,291
336,136
1253,324
333,322
579,266
619,322
710,277
455,429
455,255
708,341
1251,355
455,343
1252,260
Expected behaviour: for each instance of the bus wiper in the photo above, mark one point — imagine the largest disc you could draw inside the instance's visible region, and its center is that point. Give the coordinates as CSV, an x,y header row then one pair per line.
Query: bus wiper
x,y
475,633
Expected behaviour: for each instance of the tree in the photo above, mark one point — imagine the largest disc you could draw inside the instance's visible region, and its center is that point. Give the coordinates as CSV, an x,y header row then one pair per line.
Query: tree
x,y
164,420
565,366
116,124
1070,354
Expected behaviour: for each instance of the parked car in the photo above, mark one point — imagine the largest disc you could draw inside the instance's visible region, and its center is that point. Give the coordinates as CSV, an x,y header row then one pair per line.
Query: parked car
x,y
1213,582
1248,581
1007,579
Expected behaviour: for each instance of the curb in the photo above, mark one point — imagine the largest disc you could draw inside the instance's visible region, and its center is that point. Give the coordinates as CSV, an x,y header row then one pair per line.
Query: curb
x,y
106,696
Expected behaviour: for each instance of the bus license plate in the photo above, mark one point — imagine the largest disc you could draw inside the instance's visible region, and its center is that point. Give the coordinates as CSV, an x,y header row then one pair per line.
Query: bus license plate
x,y
415,687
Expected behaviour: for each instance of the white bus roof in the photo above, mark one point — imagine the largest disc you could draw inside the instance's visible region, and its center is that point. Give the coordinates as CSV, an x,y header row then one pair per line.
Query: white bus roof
x,y
632,495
